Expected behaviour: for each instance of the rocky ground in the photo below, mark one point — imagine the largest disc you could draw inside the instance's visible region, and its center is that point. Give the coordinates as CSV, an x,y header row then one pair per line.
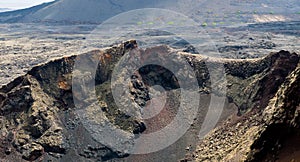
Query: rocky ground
x,y
262,130
23,46
39,121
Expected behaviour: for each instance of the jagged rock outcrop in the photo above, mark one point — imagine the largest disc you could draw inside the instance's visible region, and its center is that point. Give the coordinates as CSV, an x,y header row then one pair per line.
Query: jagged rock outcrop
x,y
38,119
270,119
33,109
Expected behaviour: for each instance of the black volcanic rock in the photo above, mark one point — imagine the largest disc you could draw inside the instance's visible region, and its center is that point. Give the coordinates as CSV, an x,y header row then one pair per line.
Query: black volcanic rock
x,y
39,121
268,121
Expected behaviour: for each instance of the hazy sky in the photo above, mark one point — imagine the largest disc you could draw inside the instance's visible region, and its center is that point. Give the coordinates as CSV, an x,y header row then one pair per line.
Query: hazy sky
x,y
17,4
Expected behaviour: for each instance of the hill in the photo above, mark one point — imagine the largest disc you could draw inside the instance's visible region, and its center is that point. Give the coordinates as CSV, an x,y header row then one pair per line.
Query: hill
x,y
97,11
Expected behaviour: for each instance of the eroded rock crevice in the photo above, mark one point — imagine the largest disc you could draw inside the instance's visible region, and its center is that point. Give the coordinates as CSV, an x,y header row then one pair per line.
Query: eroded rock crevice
x,y
38,116
262,132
